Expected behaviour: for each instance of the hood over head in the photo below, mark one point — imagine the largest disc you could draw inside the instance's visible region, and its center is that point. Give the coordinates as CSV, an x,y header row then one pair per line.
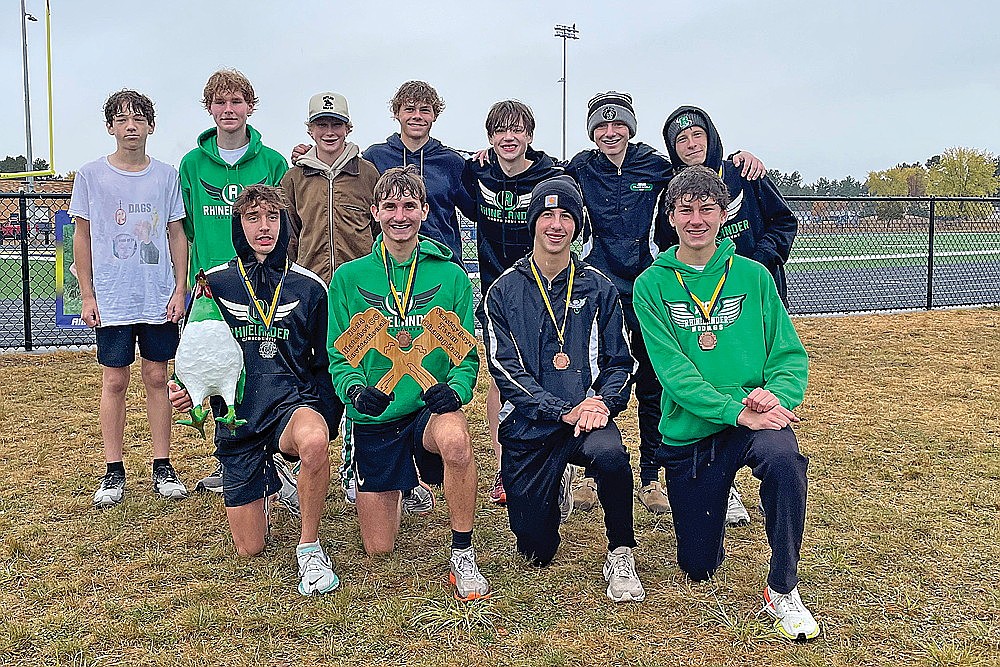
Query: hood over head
x,y
695,117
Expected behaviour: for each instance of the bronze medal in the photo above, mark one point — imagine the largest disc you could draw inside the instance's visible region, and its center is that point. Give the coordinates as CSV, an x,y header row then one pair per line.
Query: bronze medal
x,y
404,338
707,341
561,361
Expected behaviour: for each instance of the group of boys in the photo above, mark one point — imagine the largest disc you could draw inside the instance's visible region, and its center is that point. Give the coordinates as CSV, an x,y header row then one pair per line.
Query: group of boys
x,y
702,333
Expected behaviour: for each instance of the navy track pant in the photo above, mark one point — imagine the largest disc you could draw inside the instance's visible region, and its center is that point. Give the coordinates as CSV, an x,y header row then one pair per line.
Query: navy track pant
x,y
698,480
533,469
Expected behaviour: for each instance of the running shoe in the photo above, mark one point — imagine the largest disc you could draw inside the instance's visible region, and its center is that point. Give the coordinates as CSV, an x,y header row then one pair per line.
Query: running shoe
x,y
465,576
111,491
792,619
623,580
316,575
498,495
212,483
419,500
288,494
166,483
736,513
566,493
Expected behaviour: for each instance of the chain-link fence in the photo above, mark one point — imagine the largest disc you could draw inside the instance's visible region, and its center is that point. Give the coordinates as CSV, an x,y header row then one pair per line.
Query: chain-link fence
x,y
857,254
893,253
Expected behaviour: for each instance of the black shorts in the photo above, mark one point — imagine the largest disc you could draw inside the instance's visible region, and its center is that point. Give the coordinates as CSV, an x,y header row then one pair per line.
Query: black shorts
x,y
116,344
248,472
387,455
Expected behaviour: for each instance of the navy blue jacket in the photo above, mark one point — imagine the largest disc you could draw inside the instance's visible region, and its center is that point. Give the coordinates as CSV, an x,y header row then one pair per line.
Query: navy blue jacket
x,y
620,237
286,364
500,210
759,220
441,168
521,341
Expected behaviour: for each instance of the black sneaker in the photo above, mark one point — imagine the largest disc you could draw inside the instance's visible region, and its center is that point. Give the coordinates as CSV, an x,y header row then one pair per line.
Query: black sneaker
x,y
112,490
166,484
212,483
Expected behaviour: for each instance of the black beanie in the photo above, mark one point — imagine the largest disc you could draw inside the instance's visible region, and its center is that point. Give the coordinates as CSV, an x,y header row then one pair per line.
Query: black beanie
x,y
557,192
681,123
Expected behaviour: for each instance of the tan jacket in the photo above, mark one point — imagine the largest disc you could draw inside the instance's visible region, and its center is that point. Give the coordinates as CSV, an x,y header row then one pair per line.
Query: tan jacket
x,y
331,220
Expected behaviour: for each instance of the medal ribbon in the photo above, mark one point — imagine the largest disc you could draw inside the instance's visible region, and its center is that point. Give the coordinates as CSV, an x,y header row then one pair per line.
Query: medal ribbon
x,y
548,306
705,308
408,290
267,317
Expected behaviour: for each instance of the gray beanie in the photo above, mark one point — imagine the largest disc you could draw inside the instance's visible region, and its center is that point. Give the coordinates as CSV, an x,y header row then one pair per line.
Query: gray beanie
x,y
610,106
681,123
557,192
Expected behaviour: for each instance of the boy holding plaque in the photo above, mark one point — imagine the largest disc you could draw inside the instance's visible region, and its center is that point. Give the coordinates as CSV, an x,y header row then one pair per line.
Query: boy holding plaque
x,y
732,369
403,360
558,351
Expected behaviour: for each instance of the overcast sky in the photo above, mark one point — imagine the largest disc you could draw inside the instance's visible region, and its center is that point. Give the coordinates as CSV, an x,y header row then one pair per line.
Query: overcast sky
x,y
830,89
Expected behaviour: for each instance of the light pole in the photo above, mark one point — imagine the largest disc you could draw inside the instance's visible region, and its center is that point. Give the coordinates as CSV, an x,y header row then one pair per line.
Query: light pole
x,y
565,32
29,182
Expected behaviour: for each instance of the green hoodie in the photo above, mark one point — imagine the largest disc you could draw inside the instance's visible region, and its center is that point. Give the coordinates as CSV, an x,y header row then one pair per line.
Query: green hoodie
x,y
757,346
209,186
362,284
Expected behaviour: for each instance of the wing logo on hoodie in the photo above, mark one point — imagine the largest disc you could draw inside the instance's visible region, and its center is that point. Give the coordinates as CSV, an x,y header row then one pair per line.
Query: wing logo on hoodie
x,y
727,311
505,200
228,193
387,303
242,312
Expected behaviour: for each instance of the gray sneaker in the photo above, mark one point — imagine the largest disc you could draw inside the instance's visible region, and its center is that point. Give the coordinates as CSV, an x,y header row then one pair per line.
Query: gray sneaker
x,y
166,483
420,500
566,493
212,483
736,513
288,494
465,576
623,580
111,491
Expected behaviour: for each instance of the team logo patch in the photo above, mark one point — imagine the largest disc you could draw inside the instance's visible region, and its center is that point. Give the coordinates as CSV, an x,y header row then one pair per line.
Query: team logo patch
x,y
551,201
640,187
610,113
227,193
684,121
328,102
577,304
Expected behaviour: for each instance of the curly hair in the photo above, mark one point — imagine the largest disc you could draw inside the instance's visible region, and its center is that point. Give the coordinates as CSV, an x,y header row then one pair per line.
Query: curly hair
x,y
228,81
417,92
697,182
255,195
129,100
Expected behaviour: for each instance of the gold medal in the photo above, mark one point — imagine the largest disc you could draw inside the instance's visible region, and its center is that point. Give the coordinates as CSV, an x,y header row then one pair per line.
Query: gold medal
x,y
707,341
404,338
561,361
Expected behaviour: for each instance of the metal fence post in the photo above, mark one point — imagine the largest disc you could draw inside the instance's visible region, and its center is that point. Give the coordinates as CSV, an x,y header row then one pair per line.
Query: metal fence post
x,y
930,258
25,277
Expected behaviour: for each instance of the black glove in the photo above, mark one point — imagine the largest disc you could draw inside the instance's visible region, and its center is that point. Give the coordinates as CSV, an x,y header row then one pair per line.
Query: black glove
x,y
440,398
369,400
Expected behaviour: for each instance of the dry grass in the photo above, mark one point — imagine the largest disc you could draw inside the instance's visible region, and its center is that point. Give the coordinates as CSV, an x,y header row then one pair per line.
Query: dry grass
x,y
900,561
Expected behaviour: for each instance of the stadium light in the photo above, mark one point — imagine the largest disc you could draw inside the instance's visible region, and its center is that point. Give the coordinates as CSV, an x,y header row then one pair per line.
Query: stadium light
x,y
563,32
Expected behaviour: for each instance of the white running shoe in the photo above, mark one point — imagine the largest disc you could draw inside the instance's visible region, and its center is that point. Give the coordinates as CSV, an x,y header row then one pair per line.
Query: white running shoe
x,y
350,487
792,619
419,501
623,580
111,491
469,582
316,575
166,483
736,513
566,493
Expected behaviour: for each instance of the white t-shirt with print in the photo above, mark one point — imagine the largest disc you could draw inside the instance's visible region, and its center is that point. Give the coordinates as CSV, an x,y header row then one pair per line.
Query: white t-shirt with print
x,y
128,213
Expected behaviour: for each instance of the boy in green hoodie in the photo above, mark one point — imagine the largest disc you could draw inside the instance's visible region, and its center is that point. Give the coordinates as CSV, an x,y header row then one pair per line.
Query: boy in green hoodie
x,y
229,157
732,369
394,434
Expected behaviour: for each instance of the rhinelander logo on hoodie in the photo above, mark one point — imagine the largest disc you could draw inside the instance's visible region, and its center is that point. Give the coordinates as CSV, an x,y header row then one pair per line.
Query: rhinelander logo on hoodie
x,y
503,206
734,227
727,310
255,329
227,194
387,305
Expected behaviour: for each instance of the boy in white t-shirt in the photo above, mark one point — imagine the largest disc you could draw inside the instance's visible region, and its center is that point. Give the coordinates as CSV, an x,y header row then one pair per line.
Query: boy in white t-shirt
x,y
131,259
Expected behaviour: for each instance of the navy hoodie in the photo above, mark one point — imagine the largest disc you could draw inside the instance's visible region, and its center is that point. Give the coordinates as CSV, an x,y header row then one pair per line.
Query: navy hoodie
x,y
501,209
759,221
441,168
286,364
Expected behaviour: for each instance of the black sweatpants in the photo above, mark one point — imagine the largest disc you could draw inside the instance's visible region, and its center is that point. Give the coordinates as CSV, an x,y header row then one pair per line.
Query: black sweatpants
x,y
698,481
533,469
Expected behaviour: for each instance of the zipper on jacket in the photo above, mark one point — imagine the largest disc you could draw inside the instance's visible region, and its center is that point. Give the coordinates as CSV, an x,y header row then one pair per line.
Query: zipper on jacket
x,y
333,246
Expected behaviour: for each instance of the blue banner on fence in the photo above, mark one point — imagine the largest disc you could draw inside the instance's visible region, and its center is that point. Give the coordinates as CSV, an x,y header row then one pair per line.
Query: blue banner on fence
x,y
68,301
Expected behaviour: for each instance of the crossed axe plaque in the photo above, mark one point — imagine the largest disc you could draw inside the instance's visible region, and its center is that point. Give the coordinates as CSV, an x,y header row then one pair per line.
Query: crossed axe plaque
x,y
369,330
